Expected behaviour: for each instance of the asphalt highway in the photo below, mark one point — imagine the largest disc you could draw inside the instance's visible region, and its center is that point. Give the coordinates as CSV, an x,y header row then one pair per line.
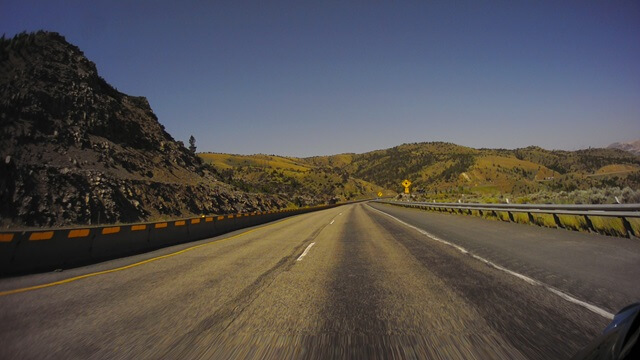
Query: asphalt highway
x,y
357,281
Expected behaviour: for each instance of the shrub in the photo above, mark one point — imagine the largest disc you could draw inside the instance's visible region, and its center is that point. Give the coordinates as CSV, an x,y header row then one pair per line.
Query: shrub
x,y
630,196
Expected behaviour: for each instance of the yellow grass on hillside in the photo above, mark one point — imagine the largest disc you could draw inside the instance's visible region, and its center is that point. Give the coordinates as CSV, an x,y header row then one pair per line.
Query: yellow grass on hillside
x,y
617,168
502,173
227,161
434,170
340,160
505,162
545,174
294,176
437,148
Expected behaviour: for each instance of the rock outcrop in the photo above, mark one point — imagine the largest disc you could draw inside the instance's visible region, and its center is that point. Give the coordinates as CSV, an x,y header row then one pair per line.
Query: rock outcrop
x,y
74,150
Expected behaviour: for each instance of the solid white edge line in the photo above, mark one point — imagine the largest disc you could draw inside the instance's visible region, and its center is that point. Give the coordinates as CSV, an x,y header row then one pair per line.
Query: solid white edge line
x,y
305,251
529,280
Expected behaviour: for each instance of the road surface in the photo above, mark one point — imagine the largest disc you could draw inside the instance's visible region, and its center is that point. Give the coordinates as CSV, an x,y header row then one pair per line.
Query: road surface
x,y
358,281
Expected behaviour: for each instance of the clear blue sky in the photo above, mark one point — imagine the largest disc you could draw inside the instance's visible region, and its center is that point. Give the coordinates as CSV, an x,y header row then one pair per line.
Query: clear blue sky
x,y
308,78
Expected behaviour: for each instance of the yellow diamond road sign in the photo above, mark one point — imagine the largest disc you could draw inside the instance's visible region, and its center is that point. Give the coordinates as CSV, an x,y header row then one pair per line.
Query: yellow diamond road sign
x,y
406,184
379,193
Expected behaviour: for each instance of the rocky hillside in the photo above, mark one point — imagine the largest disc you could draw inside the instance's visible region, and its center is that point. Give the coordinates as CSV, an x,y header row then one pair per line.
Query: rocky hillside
x,y
630,146
74,150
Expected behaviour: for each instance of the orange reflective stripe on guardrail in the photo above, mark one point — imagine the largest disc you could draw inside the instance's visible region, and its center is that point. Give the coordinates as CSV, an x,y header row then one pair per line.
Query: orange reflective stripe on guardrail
x,y
161,225
209,219
111,230
6,237
45,235
195,221
138,227
220,217
179,223
78,233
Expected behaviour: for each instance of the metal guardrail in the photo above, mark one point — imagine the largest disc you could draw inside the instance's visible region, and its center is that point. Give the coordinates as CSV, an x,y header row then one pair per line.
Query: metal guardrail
x,y
622,211
585,207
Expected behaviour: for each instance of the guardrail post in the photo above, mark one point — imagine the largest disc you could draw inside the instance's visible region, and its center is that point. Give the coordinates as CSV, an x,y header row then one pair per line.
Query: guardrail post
x,y
511,216
556,218
628,227
589,224
531,219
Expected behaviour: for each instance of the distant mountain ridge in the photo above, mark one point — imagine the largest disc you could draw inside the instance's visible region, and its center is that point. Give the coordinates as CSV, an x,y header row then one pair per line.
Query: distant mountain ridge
x,y
74,150
630,146
448,170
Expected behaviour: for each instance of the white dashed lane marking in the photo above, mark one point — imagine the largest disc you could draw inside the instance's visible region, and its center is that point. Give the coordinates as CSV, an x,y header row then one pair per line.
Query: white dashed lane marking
x,y
305,251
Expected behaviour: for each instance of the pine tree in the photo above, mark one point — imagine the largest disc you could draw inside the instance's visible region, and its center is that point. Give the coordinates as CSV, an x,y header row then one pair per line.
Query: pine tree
x,y
192,144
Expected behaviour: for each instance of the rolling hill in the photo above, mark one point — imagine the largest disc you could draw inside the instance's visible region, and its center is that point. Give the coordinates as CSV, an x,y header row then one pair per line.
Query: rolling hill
x,y
437,169
444,167
301,181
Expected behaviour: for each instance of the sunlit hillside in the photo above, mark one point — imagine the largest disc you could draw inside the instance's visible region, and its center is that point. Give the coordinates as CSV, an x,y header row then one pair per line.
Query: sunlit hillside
x,y
438,171
302,181
444,170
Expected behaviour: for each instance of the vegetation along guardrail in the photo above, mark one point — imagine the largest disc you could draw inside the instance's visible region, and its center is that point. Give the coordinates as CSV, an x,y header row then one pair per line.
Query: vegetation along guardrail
x,y
609,219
